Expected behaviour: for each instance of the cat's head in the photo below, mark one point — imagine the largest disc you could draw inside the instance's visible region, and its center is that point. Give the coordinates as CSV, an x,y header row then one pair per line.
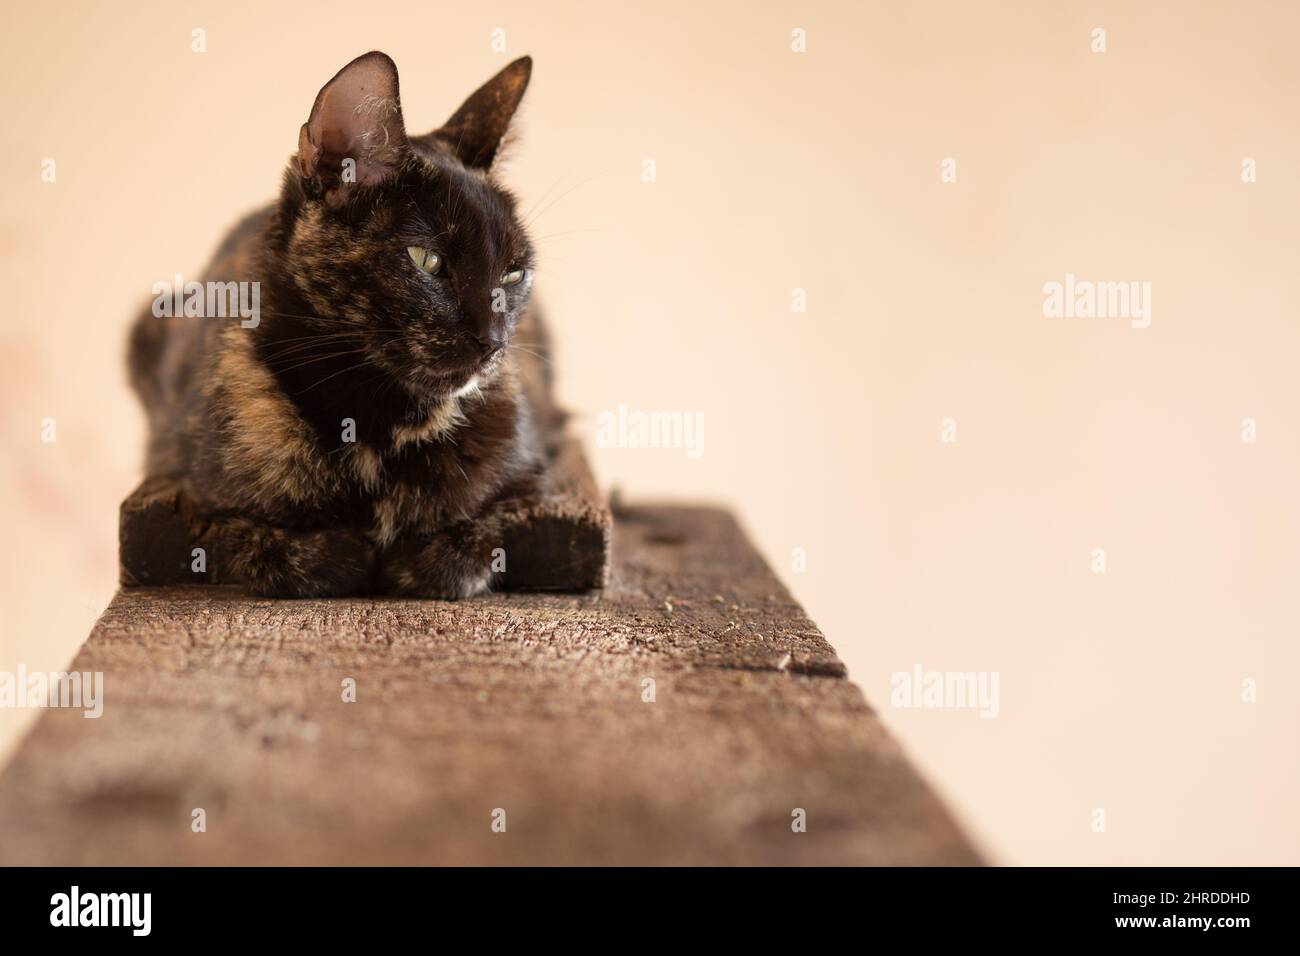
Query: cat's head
x,y
405,245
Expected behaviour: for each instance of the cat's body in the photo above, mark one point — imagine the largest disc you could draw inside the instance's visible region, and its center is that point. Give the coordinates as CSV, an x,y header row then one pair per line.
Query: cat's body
x,y
361,435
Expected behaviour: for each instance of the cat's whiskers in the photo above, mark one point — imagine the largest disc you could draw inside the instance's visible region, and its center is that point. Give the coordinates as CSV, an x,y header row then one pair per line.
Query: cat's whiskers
x,y
327,340
540,199
567,234
315,344
532,217
369,362
300,315
385,380
318,358
536,355
315,335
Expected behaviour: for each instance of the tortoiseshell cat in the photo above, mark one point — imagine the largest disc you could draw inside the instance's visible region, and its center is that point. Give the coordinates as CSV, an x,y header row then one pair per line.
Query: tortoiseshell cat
x,y
394,274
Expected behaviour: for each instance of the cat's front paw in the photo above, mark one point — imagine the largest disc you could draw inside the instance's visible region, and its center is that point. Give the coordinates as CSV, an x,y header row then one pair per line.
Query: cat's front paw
x,y
275,562
433,567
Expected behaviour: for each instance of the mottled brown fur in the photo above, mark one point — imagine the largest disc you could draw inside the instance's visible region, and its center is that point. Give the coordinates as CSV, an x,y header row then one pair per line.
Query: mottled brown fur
x,y
437,374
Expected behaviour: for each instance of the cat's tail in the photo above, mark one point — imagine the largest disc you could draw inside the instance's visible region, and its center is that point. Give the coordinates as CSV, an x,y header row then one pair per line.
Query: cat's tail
x,y
534,357
161,356
145,348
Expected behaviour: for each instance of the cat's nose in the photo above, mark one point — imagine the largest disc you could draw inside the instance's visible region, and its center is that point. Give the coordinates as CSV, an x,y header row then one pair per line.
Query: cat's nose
x,y
490,345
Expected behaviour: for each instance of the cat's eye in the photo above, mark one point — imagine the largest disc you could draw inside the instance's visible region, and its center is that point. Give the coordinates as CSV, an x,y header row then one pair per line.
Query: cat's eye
x,y
513,276
426,260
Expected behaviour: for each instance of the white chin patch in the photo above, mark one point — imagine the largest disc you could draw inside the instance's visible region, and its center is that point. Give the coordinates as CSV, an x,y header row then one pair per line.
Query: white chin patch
x,y
470,386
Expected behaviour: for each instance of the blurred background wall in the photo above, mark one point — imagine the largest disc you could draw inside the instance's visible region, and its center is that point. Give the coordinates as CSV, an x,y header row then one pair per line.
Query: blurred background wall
x,y
775,171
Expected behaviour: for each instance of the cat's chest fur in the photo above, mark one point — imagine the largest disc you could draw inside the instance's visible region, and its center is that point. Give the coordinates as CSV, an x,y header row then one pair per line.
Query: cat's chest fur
x,y
434,466
437,469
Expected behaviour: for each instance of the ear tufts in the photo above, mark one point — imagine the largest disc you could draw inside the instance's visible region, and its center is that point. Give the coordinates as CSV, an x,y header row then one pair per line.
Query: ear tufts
x,y
355,134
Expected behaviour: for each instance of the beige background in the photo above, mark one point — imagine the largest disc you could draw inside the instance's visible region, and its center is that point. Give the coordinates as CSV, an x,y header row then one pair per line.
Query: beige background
x,y
778,170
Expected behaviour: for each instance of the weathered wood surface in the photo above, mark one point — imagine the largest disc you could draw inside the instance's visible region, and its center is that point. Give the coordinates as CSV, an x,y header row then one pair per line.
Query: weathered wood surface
x,y
557,542
528,703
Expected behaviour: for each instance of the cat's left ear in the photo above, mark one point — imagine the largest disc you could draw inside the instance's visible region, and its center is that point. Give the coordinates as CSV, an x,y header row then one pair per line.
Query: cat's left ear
x,y
475,131
355,132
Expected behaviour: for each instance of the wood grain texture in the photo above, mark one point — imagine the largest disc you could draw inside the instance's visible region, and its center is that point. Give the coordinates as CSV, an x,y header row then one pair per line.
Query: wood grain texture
x,y
556,542
529,703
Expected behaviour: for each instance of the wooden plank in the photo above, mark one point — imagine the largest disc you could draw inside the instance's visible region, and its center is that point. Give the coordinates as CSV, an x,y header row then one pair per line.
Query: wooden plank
x,y
557,542
532,704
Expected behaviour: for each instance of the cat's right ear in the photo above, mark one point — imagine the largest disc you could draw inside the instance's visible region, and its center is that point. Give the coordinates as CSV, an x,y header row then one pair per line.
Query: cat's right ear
x,y
355,133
